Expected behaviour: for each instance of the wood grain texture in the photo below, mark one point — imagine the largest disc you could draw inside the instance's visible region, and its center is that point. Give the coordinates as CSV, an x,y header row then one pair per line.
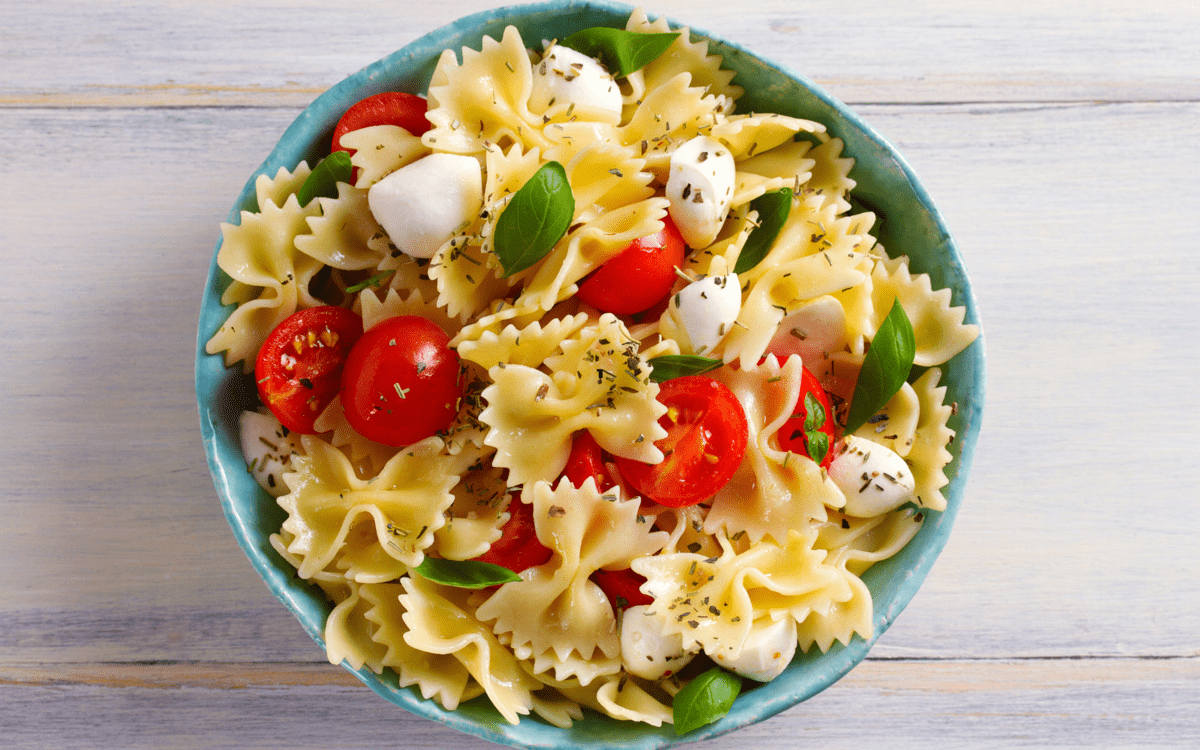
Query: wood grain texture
x,y
1060,139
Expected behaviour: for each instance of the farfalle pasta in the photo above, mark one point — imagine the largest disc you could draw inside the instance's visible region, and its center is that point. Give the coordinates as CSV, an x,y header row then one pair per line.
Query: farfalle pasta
x,y
561,407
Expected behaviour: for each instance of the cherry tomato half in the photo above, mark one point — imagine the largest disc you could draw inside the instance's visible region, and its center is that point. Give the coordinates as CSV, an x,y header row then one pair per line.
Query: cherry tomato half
x,y
637,277
518,547
706,439
401,382
299,367
812,414
388,108
622,587
587,460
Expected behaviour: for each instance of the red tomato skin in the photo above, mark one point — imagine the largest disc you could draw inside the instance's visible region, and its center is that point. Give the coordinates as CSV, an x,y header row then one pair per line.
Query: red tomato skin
x,y
401,383
388,108
622,587
299,367
518,547
587,460
791,433
706,439
639,276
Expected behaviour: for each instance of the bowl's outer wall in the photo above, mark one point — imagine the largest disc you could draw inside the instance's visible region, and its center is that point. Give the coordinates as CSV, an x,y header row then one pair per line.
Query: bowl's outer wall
x,y
910,225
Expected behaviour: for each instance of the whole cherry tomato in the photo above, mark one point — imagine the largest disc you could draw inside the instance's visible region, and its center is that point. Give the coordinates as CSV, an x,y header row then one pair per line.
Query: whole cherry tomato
x,y
706,439
518,547
810,430
587,460
639,276
401,382
299,367
622,587
388,108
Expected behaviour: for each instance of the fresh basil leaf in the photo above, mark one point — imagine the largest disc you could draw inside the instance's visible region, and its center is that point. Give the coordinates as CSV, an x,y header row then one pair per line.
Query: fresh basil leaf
x,y
620,51
671,366
322,181
814,413
535,219
464,574
773,208
884,369
817,443
705,699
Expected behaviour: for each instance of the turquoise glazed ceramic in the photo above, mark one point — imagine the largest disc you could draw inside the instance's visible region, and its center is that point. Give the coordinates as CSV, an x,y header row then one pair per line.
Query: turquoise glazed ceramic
x,y
910,225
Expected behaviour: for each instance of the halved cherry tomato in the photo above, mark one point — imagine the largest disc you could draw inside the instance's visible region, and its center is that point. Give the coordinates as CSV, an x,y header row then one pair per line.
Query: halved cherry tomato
x,y
299,367
388,108
518,547
401,383
622,587
706,439
812,414
639,276
587,460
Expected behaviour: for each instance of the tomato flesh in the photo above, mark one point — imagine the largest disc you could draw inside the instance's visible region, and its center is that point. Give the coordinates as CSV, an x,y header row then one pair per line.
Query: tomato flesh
x,y
388,108
639,276
622,587
299,367
587,460
706,439
401,383
518,547
792,434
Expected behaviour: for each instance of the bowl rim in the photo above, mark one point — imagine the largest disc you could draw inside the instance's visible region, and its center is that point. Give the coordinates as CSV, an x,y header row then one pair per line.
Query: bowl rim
x,y
301,140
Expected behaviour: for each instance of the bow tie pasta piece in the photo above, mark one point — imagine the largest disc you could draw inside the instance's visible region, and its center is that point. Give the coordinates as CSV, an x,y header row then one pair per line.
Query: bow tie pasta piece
x,y
405,502
438,625
928,456
683,56
485,99
555,615
712,602
748,135
340,236
670,114
529,346
617,697
773,492
599,382
862,542
271,277
938,328
831,174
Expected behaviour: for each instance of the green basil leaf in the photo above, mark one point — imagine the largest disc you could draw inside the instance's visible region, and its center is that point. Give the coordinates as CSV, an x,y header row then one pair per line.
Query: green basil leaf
x,y
464,574
620,51
773,208
535,219
671,366
817,443
705,699
322,181
884,369
814,413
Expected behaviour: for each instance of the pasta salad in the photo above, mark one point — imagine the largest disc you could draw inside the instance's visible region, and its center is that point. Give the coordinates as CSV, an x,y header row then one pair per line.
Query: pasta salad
x,y
581,388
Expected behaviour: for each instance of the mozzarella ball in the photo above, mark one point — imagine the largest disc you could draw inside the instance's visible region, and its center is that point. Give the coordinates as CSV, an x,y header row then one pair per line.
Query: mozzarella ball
x,y
768,650
700,189
646,651
873,477
707,309
268,448
566,76
425,203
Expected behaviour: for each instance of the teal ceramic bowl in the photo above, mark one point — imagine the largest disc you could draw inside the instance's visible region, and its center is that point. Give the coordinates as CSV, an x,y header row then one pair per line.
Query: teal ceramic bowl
x,y
911,225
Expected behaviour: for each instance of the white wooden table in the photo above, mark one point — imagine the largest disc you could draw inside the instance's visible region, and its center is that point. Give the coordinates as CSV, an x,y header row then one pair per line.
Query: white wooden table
x,y
1061,138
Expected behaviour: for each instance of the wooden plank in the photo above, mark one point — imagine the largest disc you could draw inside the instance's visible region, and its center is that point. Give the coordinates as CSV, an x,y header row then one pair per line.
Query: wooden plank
x,y
896,704
154,54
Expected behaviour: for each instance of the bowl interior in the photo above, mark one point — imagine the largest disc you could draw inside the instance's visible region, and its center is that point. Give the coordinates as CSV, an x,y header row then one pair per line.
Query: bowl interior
x,y
910,225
